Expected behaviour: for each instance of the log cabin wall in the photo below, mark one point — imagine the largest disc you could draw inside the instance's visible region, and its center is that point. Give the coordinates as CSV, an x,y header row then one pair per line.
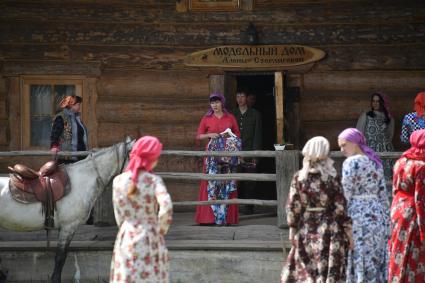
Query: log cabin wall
x,y
4,123
132,53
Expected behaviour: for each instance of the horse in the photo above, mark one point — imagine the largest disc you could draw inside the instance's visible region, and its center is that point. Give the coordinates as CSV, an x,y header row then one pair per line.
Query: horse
x,y
88,179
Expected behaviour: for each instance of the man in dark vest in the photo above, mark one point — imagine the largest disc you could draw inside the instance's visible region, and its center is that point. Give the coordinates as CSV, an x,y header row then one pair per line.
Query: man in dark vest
x,y
249,122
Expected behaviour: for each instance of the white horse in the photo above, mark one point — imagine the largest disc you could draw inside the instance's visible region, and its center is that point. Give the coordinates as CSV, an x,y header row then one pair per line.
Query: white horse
x,y
88,179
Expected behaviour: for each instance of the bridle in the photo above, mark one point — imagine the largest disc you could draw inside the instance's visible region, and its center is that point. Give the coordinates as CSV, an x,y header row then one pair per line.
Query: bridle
x,y
125,155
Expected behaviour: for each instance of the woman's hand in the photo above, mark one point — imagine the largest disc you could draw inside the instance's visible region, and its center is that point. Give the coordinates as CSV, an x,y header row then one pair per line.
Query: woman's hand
x,y
209,136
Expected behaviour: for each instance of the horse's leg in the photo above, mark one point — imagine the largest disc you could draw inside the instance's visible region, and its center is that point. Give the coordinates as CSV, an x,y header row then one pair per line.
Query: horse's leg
x,y
65,236
3,273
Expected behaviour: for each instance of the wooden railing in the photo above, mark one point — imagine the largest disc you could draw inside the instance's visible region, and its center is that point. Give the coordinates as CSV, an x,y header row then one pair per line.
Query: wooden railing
x,y
287,163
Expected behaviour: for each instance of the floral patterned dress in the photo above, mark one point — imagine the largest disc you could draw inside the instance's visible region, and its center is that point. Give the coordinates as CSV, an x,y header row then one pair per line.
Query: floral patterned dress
x,y
368,207
320,246
379,137
204,213
140,254
407,246
222,189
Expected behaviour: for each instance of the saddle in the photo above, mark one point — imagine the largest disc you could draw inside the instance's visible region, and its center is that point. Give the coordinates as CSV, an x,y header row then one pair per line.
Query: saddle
x,y
47,185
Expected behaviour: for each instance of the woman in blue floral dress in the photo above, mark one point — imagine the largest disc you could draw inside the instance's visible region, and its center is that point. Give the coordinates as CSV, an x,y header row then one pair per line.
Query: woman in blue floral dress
x,y
368,206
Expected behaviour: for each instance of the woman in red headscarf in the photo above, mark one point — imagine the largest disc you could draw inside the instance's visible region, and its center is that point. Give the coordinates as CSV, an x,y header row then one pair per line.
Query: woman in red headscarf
x,y
414,120
214,122
143,211
407,242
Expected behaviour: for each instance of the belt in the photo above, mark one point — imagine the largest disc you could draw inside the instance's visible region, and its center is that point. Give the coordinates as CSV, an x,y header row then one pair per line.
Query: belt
x,y
315,209
368,196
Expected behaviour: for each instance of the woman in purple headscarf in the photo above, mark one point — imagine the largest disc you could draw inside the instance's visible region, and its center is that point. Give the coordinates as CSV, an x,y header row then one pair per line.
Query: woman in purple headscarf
x,y
214,122
368,206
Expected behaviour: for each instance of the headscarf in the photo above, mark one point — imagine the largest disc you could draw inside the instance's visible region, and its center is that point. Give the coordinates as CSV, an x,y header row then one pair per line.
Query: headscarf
x,y
223,103
316,159
355,136
417,149
68,101
420,104
144,153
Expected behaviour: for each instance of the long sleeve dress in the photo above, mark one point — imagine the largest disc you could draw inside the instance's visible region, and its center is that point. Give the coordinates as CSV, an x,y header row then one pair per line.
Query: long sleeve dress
x,y
407,245
140,254
379,136
368,207
204,213
316,210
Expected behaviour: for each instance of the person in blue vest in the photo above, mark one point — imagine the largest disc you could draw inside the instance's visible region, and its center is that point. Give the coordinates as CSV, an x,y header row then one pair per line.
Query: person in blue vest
x,y
68,131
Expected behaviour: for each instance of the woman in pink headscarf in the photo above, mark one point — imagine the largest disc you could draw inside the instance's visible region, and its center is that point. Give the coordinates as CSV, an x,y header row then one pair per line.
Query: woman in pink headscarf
x,y
143,211
407,245
368,206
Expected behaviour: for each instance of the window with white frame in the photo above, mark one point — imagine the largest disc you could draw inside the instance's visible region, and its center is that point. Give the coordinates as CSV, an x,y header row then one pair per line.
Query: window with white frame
x,y
40,104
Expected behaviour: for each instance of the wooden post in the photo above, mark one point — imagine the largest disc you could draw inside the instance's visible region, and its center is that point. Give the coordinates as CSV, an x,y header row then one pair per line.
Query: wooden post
x,y
89,110
14,102
279,99
216,83
287,163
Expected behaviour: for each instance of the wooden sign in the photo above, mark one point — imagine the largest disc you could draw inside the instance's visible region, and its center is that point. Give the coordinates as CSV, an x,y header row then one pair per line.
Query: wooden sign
x,y
255,56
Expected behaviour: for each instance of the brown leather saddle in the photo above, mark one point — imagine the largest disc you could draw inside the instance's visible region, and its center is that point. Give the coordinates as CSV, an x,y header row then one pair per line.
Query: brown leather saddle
x,y
48,185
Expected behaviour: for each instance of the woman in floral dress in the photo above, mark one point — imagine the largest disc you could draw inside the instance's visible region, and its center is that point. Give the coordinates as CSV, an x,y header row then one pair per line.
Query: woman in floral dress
x,y
214,122
407,245
368,206
143,211
320,231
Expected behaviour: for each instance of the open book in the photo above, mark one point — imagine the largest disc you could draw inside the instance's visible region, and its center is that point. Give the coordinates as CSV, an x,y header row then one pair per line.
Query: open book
x,y
228,132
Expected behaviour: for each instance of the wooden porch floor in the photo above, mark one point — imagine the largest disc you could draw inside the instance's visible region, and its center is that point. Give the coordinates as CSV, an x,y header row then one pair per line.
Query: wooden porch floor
x,y
254,232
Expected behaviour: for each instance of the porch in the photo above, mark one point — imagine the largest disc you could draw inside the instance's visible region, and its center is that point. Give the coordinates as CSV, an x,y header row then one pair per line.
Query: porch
x,y
248,252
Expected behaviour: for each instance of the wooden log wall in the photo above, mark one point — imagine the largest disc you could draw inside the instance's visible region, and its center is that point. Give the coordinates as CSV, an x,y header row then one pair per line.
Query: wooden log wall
x,y
4,123
333,101
132,51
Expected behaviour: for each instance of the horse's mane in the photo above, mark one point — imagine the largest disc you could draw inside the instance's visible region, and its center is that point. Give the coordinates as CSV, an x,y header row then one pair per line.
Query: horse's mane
x,y
96,153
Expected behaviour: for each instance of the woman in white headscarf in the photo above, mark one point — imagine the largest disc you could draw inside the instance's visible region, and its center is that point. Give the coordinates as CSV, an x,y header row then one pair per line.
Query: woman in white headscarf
x,y
320,230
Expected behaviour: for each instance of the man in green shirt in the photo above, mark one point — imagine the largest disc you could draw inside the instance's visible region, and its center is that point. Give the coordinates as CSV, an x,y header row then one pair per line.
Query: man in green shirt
x,y
249,122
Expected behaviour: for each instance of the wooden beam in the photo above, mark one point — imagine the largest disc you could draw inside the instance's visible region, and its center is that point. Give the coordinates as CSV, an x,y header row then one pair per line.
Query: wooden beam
x,y
90,107
287,163
279,101
216,83
227,201
232,176
14,99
